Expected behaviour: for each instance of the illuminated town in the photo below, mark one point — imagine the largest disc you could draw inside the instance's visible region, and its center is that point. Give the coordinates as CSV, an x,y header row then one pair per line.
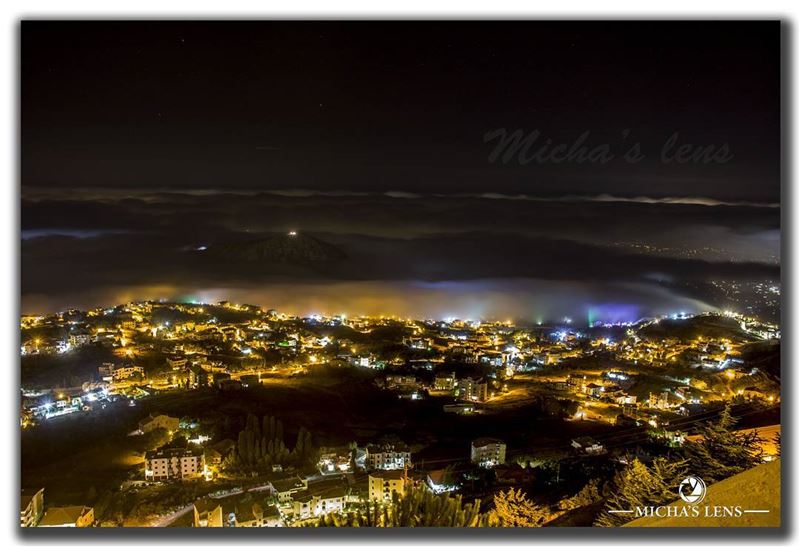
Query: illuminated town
x,y
199,414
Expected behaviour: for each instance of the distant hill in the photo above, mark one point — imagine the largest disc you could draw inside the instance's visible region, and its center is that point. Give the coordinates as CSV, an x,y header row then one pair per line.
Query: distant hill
x,y
702,325
283,248
757,488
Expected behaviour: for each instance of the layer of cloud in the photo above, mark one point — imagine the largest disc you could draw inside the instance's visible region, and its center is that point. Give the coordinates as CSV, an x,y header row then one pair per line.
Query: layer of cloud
x,y
100,242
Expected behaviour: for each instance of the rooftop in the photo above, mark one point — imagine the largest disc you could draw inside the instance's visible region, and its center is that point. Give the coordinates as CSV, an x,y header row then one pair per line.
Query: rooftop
x,y
486,441
388,474
170,453
59,516
204,505
289,483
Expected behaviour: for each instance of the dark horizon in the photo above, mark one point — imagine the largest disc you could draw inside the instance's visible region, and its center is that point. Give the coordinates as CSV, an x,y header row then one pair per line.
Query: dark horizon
x,y
357,106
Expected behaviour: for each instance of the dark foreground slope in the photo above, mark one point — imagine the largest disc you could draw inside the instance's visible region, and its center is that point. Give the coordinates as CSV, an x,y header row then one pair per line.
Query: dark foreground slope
x,y
758,488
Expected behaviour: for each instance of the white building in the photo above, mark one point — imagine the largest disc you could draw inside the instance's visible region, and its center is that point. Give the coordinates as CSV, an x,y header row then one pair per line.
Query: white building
x,y
587,445
31,507
79,339
177,363
445,382
321,497
387,457
335,460
173,463
488,452
473,389
123,373
285,488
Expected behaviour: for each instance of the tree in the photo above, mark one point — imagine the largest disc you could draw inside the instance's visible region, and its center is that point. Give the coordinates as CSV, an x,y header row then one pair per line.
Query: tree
x,y
640,486
178,441
418,507
156,439
353,453
304,451
512,509
260,444
589,494
722,452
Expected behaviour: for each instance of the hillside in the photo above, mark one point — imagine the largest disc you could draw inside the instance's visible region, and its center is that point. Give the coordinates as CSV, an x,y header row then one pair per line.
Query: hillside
x,y
710,326
757,488
282,248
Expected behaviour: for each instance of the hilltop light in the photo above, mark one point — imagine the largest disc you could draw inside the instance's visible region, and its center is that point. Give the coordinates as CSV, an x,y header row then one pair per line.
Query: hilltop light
x,y
292,233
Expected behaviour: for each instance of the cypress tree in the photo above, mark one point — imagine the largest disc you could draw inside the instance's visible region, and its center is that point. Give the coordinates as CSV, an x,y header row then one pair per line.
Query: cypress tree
x,y
266,429
418,507
637,486
722,452
241,447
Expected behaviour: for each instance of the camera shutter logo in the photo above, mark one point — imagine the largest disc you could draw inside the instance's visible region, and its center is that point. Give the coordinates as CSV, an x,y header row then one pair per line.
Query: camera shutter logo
x,y
692,489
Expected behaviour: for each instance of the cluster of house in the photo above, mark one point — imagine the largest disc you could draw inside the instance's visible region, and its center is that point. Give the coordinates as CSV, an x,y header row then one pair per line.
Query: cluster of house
x,y
51,346
38,405
190,342
291,499
278,503
32,513
245,510
110,372
503,345
493,343
609,387
470,389
167,464
706,352
587,446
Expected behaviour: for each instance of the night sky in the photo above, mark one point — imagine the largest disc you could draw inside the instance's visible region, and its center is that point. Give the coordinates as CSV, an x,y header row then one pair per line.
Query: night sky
x,y
145,141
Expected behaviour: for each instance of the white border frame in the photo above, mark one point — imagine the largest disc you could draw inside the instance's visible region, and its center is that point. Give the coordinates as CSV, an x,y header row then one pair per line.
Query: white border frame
x,y
14,10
